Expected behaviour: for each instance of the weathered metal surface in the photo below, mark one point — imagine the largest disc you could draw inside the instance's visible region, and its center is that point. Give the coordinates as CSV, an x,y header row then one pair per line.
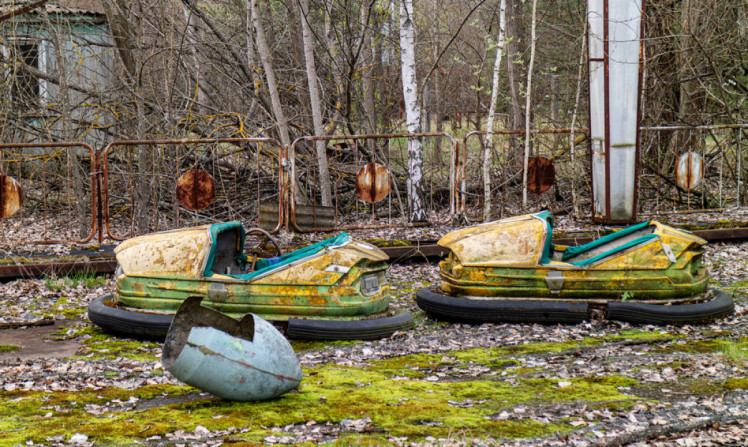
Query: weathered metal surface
x,y
689,171
428,250
645,270
240,360
179,253
52,235
291,221
11,196
517,242
196,189
268,149
373,183
540,175
307,217
161,270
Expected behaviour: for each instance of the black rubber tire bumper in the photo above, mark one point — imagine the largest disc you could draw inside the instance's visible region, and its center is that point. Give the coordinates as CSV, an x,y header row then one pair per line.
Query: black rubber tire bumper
x,y
642,313
103,312
367,329
499,310
536,311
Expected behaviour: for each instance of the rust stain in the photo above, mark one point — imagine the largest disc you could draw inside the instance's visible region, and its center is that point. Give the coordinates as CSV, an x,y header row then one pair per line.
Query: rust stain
x,y
196,189
689,171
540,175
373,183
11,196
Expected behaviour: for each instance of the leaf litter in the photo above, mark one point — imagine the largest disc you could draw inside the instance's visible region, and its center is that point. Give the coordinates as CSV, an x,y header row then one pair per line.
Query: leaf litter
x,y
668,364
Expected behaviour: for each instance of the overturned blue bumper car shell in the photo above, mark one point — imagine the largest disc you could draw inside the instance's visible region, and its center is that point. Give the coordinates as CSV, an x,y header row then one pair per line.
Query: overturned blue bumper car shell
x,y
240,360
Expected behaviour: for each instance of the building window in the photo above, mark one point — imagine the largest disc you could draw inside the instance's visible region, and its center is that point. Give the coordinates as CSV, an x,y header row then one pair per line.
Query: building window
x,y
26,86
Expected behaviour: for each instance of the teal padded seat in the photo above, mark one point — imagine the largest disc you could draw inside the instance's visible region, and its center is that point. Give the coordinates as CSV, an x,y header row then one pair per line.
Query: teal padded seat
x,y
266,265
546,216
574,251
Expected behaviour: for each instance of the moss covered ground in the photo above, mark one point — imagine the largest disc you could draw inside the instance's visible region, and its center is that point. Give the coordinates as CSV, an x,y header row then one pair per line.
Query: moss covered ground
x,y
398,406
440,393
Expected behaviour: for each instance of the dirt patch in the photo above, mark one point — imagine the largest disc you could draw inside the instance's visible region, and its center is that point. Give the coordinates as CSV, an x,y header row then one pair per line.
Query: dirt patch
x,y
37,342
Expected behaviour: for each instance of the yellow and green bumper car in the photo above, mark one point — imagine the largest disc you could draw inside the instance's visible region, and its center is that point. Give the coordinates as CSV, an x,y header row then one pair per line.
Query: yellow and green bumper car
x,y
509,270
334,289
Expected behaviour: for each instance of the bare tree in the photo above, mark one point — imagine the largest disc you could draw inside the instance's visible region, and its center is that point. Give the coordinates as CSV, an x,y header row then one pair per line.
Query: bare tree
x,y
315,100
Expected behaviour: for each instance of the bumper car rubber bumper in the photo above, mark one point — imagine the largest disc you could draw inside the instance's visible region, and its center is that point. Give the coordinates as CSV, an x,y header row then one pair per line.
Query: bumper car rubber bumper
x,y
104,312
547,311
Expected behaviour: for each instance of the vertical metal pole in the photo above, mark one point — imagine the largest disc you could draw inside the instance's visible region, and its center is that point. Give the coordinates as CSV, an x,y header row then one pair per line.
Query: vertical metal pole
x,y
688,172
98,183
154,189
44,189
235,206
659,163
740,166
606,107
67,183
637,156
280,193
721,170
213,168
2,196
389,167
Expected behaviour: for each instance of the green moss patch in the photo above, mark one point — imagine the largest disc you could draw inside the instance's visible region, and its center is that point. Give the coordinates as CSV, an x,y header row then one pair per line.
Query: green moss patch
x,y
736,384
696,347
8,348
398,406
389,243
99,345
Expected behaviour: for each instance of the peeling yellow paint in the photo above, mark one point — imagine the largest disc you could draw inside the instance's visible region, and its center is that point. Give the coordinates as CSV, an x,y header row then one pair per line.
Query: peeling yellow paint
x,y
511,242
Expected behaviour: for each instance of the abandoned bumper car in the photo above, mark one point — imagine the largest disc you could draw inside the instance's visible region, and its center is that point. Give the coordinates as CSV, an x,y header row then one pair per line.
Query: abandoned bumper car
x,y
509,270
332,290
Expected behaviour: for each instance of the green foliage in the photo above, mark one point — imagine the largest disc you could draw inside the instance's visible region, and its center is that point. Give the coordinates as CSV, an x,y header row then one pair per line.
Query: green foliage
x,y
88,280
736,350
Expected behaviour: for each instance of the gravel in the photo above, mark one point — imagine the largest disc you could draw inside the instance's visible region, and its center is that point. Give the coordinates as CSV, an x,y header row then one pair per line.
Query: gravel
x,y
672,416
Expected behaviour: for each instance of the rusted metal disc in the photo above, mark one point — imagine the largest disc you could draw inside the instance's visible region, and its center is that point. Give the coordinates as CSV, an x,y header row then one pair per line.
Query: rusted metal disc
x,y
690,170
11,196
540,175
373,183
196,189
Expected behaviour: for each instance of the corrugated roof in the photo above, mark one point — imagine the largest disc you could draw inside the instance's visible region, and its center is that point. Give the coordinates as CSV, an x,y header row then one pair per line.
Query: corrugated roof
x,y
89,6
81,7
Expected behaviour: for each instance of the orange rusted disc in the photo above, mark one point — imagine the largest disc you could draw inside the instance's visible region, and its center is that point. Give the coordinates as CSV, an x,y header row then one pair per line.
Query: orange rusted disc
x,y
11,196
373,183
540,175
689,171
196,189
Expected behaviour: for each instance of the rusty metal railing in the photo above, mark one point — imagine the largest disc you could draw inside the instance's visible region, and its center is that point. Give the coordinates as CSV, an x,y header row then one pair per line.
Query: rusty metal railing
x,y
721,168
217,171
60,169
45,197
342,170
466,163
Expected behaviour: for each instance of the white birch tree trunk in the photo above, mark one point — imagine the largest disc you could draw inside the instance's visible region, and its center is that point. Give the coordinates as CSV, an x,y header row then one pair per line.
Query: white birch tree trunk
x,y
314,98
414,183
492,115
526,155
